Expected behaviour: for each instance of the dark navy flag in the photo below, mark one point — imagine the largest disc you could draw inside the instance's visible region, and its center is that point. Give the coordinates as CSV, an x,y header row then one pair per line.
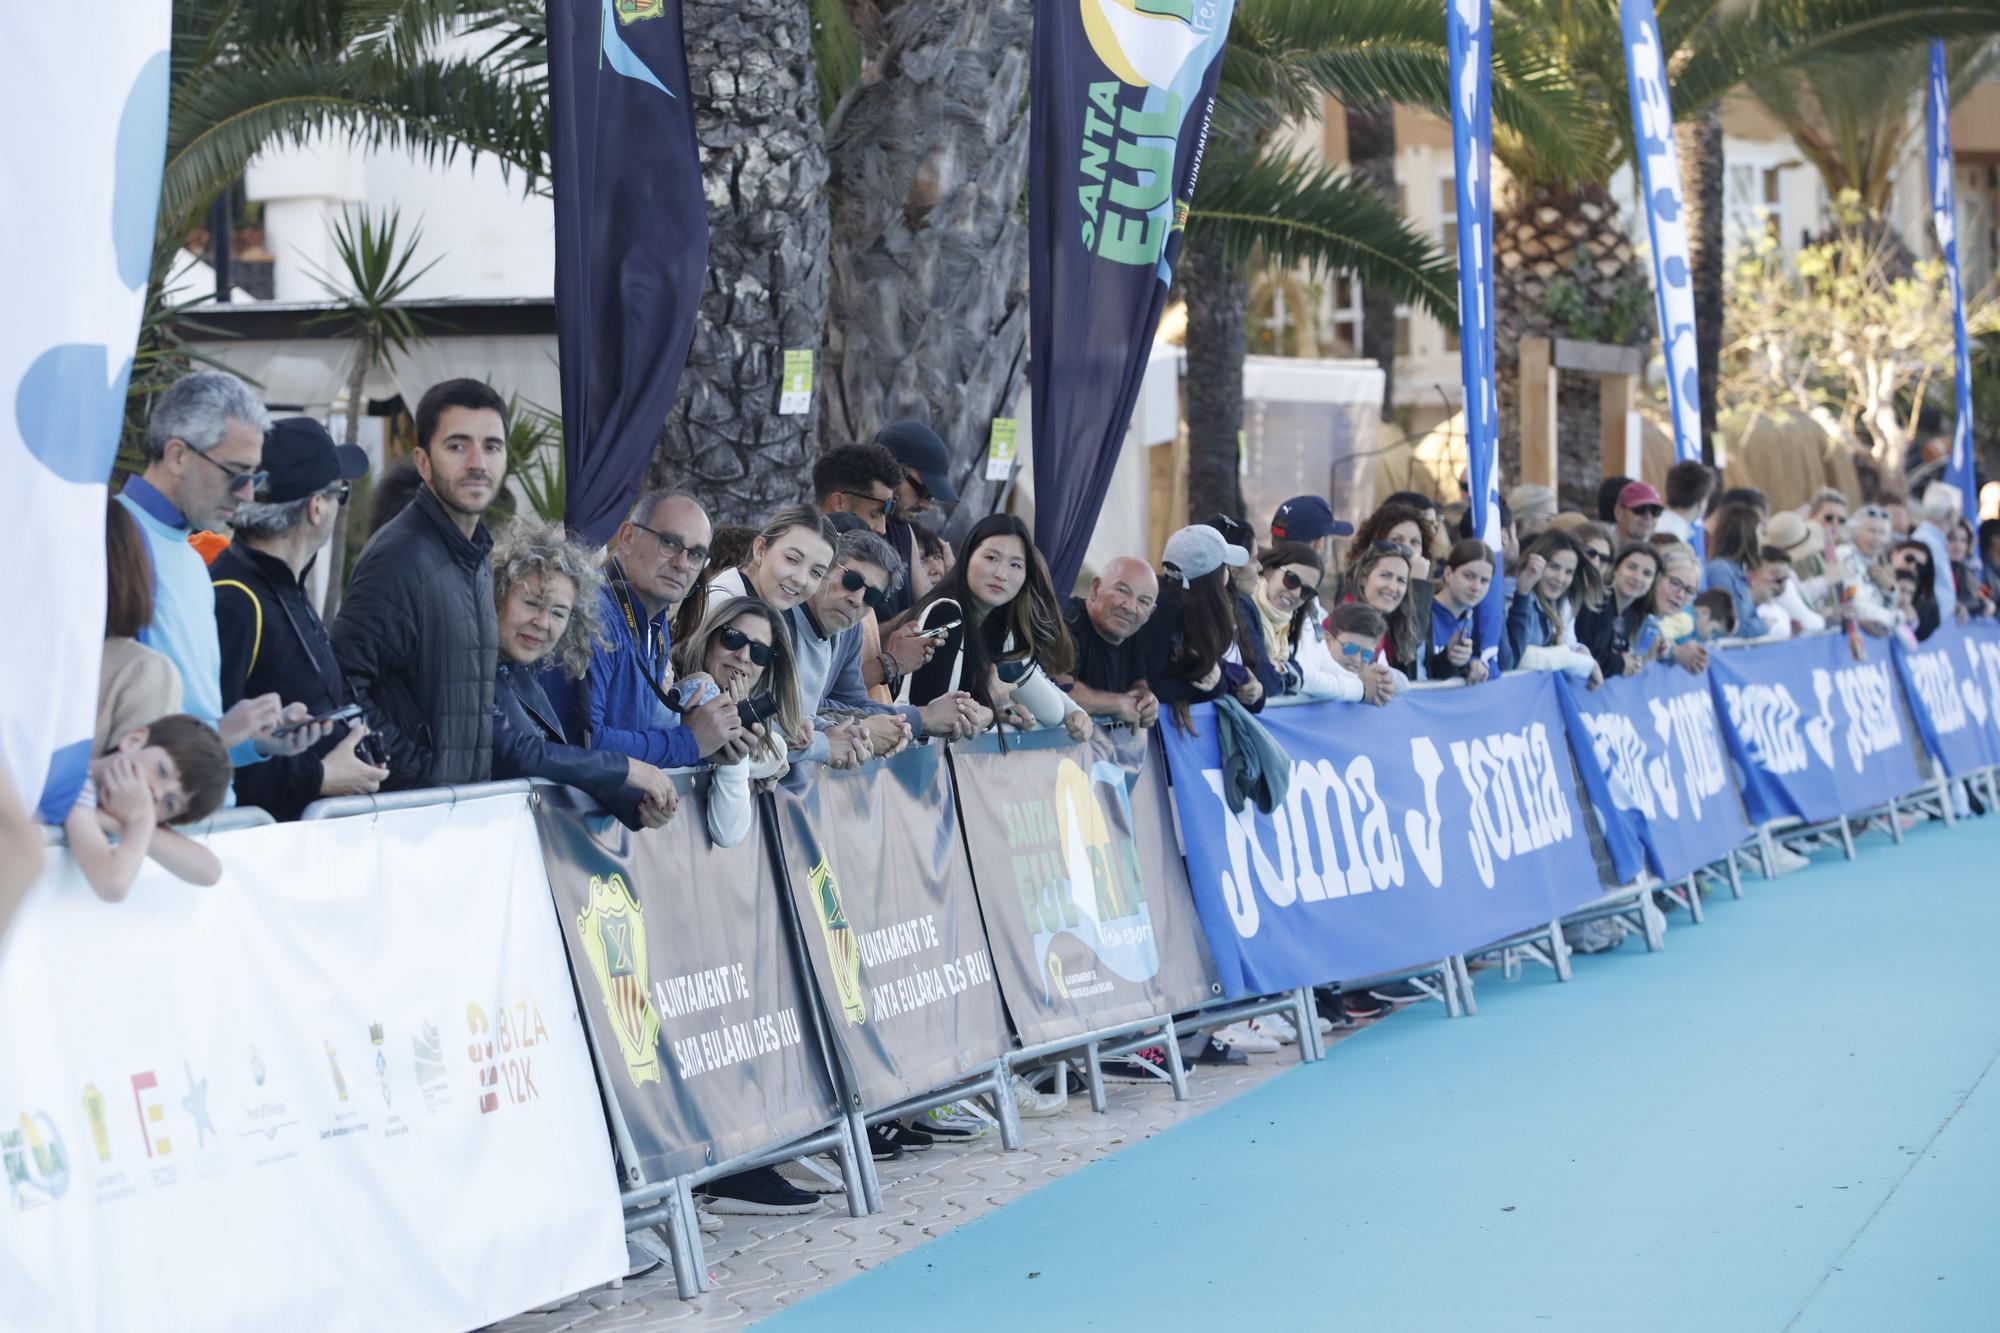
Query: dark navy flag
x,y
1666,224
631,241
1469,29
1656,741
1122,93
1444,822
1814,734
1958,468
1952,680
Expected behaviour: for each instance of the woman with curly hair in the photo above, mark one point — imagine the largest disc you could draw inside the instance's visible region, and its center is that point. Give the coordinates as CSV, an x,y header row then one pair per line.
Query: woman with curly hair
x,y
742,651
546,592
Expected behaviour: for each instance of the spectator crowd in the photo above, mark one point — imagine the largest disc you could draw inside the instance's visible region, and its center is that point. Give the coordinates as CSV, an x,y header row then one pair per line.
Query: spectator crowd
x,y
844,630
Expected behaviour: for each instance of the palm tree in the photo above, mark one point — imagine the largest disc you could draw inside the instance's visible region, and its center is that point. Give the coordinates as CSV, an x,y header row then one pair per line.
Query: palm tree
x,y
1371,156
365,304
1563,264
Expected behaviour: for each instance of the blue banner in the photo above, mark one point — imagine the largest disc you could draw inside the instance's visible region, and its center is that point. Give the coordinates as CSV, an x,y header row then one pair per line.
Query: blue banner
x,y
1952,680
1658,743
1122,91
1958,469
631,242
1814,733
1666,224
1469,29
1440,823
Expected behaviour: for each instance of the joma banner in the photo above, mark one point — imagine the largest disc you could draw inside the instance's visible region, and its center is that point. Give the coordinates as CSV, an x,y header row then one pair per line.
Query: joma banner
x,y
682,957
1086,904
1656,739
1122,91
885,902
1953,683
1814,733
1443,822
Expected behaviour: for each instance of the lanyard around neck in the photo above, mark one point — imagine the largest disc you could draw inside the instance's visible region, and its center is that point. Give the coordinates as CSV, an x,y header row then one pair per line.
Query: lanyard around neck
x,y
623,592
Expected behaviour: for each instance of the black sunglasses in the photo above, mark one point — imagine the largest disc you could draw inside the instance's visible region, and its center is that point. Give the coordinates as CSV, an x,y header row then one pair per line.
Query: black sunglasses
x,y
1393,548
1297,584
735,640
852,580
888,505
254,479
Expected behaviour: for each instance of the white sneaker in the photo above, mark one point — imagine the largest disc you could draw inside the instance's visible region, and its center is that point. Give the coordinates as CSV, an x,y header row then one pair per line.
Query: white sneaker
x,y
1035,1105
1784,860
1277,1027
1245,1039
706,1220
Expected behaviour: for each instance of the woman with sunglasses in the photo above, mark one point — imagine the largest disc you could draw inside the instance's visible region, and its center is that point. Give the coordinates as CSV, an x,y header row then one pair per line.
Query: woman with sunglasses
x,y
548,596
742,652
1007,633
1286,595
1453,651
1556,577
1962,541
1735,552
1615,629
1921,612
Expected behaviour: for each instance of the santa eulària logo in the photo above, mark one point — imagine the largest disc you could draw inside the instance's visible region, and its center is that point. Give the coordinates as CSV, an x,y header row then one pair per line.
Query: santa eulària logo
x,y
612,928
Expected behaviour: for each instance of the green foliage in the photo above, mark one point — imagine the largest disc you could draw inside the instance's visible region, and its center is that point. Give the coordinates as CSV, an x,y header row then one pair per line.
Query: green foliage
x,y
535,458
375,276
1627,317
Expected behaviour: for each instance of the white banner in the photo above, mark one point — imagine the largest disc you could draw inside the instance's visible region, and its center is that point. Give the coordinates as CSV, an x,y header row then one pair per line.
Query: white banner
x,y
83,130
345,1088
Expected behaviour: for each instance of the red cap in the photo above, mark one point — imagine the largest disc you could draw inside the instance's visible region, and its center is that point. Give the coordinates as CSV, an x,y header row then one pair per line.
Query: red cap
x,y
1638,494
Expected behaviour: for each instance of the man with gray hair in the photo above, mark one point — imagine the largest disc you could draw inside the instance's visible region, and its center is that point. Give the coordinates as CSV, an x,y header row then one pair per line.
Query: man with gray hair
x,y
273,640
204,450
1940,507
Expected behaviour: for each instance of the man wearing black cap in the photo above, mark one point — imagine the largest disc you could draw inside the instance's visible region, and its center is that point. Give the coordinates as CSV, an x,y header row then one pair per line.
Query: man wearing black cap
x,y
926,482
273,641
1309,519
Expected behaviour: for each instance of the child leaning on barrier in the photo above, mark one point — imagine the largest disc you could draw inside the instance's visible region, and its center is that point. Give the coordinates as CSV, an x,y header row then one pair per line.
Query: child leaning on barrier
x,y
172,771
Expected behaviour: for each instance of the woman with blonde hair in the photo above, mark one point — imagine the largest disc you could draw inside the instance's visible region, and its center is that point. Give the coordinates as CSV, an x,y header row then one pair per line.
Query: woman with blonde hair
x,y
742,651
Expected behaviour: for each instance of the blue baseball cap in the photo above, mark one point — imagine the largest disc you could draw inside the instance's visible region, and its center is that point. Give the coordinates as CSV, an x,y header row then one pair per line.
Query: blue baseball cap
x,y
1307,518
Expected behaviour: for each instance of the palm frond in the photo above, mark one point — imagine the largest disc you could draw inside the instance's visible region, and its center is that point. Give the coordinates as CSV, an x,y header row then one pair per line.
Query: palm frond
x,y
836,50
1300,213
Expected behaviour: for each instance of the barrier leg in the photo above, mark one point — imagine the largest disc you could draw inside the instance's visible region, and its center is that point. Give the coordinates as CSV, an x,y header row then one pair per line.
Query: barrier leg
x,y
1448,978
1457,963
857,1169
1896,820
695,1281
1304,1016
1559,951
1847,836
1009,1110
1652,925
1767,845
1735,877
1947,801
1694,899
1176,1068
1094,1075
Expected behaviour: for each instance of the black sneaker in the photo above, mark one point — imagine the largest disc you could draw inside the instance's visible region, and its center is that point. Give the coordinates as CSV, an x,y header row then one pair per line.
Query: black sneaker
x,y
1142,1066
1362,1005
1214,1052
759,1193
896,1140
1399,993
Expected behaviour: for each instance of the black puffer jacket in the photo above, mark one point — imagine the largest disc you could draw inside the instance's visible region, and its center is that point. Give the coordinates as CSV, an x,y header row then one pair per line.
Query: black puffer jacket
x,y
418,639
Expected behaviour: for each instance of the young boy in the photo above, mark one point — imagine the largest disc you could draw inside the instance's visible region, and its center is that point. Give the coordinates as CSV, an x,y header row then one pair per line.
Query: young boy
x,y
1355,639
1714,615
174,771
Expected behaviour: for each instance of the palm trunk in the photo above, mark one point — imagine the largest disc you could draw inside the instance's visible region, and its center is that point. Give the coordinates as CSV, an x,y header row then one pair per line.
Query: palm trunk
x,y
927,292
764,172
1371,157
336,555
1218,340
1700,148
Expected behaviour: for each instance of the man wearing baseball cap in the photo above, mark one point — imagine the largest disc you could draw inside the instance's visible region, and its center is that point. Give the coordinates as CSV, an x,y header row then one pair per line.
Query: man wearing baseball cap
x,y
1309,519
1637,512
273,641
926,482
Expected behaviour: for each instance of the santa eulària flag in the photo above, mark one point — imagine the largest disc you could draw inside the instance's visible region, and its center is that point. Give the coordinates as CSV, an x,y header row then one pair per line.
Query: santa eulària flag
x,y
1122,93
631,241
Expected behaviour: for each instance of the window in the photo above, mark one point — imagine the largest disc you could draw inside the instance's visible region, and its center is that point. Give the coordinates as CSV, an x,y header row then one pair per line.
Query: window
x,y
1343,316
1753,202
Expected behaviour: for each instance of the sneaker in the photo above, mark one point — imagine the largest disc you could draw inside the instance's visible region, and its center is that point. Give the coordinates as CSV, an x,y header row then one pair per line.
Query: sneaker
x,y
705,1220
1215,1052
1277,1027
1362,1005
1396,994
803,1177
948,1124
1242,1037
1141,1066
1599,936
1044,1081
891,1135
1034,1104
1784,860
759,1193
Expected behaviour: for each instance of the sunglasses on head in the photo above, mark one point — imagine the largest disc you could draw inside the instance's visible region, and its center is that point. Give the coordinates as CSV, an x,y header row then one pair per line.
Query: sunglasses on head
x,y
735,640
1297,584
852,580
1392,548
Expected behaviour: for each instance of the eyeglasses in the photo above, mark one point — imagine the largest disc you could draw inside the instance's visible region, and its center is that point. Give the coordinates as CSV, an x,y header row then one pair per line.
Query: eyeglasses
x,y
888,505
854,581
735,640
1356,650
916,480
1297,584
1680,585
339,491
674,548
250,480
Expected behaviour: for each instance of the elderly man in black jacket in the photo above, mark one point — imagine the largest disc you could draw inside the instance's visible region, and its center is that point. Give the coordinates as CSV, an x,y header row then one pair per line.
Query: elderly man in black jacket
x,y
416,635
272,639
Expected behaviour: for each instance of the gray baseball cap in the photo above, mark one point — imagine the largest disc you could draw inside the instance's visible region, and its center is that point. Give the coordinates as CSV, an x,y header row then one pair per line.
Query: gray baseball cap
x,y
1198,550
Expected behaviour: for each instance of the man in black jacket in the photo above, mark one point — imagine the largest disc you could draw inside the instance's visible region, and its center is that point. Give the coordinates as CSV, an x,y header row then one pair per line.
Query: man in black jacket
x,y
417,635
273,641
